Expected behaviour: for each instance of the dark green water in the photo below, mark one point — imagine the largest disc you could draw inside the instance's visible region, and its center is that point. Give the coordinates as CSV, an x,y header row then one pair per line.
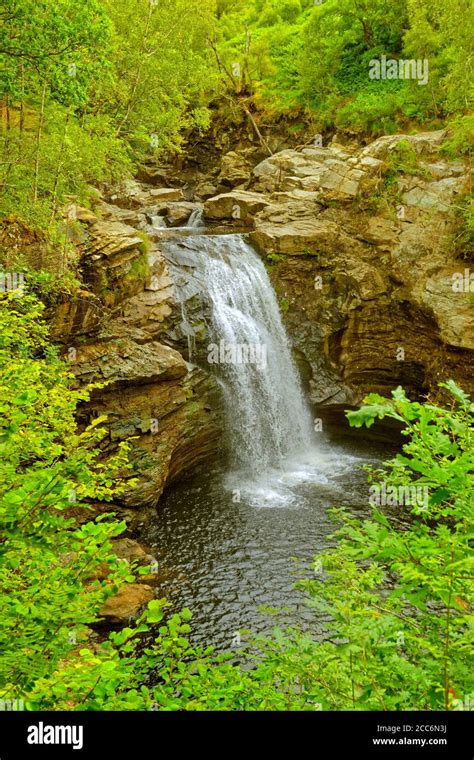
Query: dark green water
x,y
225,546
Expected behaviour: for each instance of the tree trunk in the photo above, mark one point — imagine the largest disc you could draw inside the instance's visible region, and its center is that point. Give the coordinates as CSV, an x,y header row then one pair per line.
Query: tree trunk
x,y
138,72
38,142
59,167
22,102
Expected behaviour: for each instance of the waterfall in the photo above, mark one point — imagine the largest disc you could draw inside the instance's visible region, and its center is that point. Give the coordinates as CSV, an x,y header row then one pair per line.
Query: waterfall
x,y
196,218
267,419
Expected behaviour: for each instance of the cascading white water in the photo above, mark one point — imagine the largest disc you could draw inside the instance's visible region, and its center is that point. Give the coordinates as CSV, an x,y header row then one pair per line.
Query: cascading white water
x,y
267,418
196,219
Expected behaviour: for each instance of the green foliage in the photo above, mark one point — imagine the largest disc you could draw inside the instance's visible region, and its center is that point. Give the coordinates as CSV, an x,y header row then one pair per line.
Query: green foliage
x,y
402,159
140,269
274,258
48,470
464,238
91,88
460,141
316,57
162,70
53,556
397,589
370,112
405,613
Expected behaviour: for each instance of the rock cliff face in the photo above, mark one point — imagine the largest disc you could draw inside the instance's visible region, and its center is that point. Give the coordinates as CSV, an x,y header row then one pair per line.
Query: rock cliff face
x,y
119,331
362,257
361,254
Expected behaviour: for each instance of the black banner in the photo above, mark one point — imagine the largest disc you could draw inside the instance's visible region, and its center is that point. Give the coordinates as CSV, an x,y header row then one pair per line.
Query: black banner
x,y
131,735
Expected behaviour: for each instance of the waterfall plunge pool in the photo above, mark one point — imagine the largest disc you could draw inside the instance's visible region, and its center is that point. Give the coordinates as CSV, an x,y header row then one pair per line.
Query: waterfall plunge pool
x,y
232,542
231,549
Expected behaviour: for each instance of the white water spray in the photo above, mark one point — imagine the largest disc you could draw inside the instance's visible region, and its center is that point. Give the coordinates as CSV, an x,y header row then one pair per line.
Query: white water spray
x,y
267,419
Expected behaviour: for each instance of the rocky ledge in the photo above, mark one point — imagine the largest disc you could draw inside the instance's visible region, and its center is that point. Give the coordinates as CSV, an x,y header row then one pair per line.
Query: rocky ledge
x,y
359,246
121,332
361,252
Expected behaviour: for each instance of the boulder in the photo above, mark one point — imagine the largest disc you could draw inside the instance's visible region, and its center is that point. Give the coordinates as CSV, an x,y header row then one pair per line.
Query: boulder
x,y
294,227
205,190
235,170
178,213
128,195
238,205
123,360
131,551
127,604
304,236
153,175
166,194
113,240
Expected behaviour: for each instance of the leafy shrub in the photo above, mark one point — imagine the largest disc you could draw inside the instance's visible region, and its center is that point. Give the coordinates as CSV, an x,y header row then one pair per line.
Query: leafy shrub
x,y
398,591
48,469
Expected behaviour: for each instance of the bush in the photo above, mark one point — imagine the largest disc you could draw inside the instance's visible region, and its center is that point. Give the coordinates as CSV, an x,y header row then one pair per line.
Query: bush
x,y
49,471
397,588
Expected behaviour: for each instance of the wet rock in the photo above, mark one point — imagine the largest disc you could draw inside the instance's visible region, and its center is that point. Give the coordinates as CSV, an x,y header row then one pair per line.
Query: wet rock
x,y
127,604
177,214
172,425
131,551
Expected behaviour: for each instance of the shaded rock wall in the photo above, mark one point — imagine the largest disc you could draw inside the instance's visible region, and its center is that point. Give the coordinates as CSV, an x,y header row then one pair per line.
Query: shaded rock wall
x,y
123,330
362,258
